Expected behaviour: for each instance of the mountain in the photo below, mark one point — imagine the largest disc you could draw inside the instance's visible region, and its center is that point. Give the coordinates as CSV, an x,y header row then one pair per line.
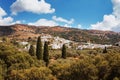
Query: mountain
x,y
23,32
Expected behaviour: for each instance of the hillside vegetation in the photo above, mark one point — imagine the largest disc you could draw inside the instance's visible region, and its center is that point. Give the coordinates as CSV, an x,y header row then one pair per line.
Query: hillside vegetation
x,y
17,64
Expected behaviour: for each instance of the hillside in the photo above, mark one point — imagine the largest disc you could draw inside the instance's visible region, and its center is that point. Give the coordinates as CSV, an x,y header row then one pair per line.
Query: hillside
x,y
16,63
20,31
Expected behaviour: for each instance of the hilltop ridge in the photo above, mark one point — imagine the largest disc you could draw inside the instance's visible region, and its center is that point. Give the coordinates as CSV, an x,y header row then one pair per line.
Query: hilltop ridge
x,y
22,31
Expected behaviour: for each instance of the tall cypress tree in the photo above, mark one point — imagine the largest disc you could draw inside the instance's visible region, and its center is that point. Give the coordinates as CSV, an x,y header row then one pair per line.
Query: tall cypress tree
x,y
105,50
64,51
46,53
39,53
31,50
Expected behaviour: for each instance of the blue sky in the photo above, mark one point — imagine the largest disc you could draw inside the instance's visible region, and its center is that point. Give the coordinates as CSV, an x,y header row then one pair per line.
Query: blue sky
x,y
84,14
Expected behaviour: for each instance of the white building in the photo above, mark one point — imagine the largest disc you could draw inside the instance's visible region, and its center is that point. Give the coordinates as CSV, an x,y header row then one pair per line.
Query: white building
x,y
92,46
118,43
58,43
46,37
23,43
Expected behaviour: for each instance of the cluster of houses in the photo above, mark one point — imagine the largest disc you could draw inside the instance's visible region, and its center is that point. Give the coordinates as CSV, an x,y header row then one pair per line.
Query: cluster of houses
x,y
55,42
92,46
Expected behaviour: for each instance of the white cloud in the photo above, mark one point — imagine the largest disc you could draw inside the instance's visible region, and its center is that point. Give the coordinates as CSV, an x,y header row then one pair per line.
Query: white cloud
x,y
109,22
6,20
44,22
55,21
67,25
2,13
60,19
79,26
117,29
34,6
112,21
16,22
116,8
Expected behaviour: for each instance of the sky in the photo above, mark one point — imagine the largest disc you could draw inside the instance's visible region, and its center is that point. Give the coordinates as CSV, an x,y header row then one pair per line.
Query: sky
x,y
82,14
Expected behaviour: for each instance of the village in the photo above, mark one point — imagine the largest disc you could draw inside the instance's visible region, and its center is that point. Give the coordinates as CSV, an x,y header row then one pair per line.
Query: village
x,y
57,43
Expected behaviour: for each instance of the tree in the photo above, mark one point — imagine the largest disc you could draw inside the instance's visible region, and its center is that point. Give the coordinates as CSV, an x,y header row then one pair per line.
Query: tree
x,y
31,50
39,53
4,39
105,50
46,53
64,51
29,39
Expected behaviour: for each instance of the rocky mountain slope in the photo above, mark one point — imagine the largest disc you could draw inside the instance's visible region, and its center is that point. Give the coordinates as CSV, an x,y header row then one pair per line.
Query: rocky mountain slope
x,y
20,31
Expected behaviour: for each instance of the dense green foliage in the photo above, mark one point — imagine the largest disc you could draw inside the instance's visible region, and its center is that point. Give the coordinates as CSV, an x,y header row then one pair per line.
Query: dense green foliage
x,y
12,58
39,53
33,73
17,64
88,67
